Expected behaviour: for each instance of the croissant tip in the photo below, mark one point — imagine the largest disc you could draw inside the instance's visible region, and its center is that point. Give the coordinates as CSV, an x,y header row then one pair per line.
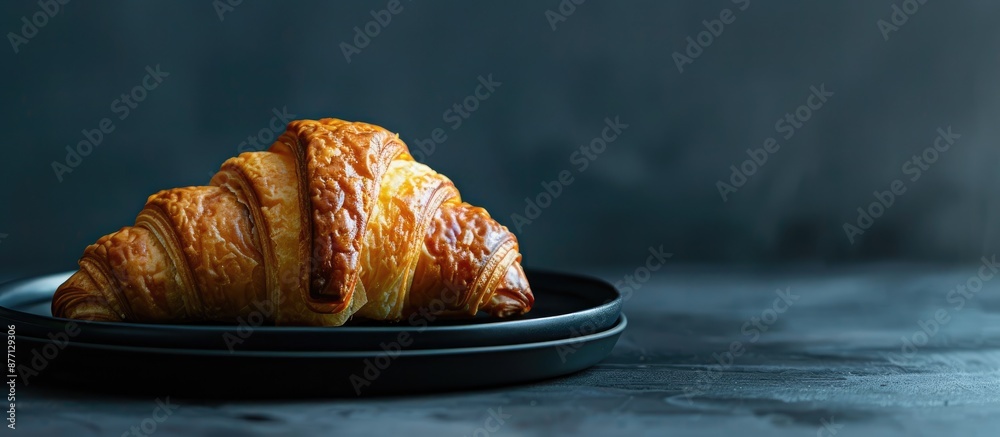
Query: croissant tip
x,y
78,299
510,304
513,297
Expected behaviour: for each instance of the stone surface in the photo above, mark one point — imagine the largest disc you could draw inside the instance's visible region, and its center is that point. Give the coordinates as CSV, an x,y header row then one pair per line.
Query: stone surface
x,y
832,361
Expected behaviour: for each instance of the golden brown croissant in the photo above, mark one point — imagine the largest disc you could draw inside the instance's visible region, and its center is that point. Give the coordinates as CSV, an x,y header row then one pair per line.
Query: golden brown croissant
x,y
335,220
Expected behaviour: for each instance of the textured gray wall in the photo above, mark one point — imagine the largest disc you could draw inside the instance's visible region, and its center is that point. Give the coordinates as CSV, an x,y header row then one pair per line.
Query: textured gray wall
x,y
656,183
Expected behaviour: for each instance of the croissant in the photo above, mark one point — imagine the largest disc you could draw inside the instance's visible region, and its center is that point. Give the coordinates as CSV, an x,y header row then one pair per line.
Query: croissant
x,y
335,220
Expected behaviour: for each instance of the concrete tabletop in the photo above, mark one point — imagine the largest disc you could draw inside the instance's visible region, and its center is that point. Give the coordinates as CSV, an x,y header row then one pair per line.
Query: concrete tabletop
x,y
873,350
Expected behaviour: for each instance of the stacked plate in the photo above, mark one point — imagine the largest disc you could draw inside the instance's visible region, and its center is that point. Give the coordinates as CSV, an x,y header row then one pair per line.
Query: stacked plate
x,y
574,324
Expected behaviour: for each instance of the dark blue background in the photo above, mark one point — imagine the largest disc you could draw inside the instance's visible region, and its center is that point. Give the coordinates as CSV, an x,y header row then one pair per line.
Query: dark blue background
x,y
655,185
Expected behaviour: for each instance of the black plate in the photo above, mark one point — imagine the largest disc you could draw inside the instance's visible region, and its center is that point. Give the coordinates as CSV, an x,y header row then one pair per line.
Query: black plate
x,y
565,306
209,373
